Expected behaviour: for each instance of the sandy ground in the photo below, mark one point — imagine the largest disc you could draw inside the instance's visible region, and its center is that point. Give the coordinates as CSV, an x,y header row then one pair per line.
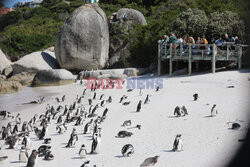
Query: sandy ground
x,y
207,141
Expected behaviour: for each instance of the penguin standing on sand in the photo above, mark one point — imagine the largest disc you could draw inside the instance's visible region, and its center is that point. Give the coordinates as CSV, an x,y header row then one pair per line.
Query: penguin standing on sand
x,y
184,110
82,152
32,159
18,119
15,129
103,102
95,147
214,111
48,155
59,120
147,99
4,133
109,99
90,101
87,127
26,141
178,146
23,155
139,106
151,161
127,150
94,96
73,138
177,111
195,96
63,98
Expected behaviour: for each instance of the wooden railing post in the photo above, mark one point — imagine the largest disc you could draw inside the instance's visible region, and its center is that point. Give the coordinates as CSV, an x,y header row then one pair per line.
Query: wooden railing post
x,y
227,51
181,49
159,59
170,60
213,60
189,59
240,56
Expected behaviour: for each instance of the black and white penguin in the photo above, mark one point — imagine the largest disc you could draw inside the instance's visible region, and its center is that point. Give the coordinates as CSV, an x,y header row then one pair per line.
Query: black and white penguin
x,y
124,133
130,90
126,103
123,98
29,126
178,146
43,149
138,109
177,111
41,133
73,138
147,100
48,155
127,150
47,141
95,147
59,120
90,101
101,96
4,113
195,96
140,92
157,88
214,111
103,102
23,155
184,110
57,99
18,119
87,127
24,126
126,123
84,92
32,159
15,129
94,96
82,152
109,99
65,112
63,98
4,133
104,114
151,161
61,128
79,121
234,125
26,141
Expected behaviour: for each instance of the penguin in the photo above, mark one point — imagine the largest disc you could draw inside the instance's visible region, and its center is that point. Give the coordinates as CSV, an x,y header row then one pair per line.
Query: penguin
x,y
90,101
47,141
184,110
59,120
234,126
84,92
48,155
26,141
151,161
127,150
104,113
126,103
63,98
23,155
103,102
29,126
79,100
57,99
15,129
87,127
178,146
196,96
139,106
32,159
126,123
41,133
101,96
177,111
130,90
61,129
73,138
4,133
86,164
82,152
147,99
94,96
24,127
79,121
137,126
157,88
65,110
123,98
109,99
140,92
95,144
18,119
124,133
3,113
214,111
43,149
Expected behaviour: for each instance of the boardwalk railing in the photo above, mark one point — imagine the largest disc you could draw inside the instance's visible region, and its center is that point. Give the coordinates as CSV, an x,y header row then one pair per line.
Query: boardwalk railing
x,y
199,52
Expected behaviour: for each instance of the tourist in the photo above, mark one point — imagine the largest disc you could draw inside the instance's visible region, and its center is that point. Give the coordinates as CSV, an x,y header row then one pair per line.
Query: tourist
x,y
219,41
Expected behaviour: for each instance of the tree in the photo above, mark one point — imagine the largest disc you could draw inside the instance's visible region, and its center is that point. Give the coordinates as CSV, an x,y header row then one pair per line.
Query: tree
x,y
226,22
192,22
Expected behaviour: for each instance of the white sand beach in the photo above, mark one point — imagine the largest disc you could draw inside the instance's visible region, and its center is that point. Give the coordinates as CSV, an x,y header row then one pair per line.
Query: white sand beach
x,y
207,141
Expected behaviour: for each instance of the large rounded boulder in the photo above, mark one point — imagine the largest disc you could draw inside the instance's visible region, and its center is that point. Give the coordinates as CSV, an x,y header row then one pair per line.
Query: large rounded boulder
x,y
9,87
4,62
83,40
120,23
53,78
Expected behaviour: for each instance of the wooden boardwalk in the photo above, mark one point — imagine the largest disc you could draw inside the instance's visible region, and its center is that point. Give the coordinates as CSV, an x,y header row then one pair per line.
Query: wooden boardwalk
x,y
199,52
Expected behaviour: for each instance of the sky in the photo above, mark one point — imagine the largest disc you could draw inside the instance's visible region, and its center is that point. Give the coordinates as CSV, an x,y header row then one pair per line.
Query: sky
x,y
10,3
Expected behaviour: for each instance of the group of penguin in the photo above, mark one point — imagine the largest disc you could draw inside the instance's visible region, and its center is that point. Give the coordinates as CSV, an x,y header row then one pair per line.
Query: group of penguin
x,y
77,114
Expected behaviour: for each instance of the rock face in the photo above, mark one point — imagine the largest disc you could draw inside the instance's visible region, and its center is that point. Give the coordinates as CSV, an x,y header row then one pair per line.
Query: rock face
x,y
25,78
4,62
112,73
35,62
9,87
53,78
83,40
119,24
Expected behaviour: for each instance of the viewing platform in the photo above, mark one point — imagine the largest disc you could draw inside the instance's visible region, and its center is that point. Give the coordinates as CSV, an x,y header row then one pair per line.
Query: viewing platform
x,y
200,52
